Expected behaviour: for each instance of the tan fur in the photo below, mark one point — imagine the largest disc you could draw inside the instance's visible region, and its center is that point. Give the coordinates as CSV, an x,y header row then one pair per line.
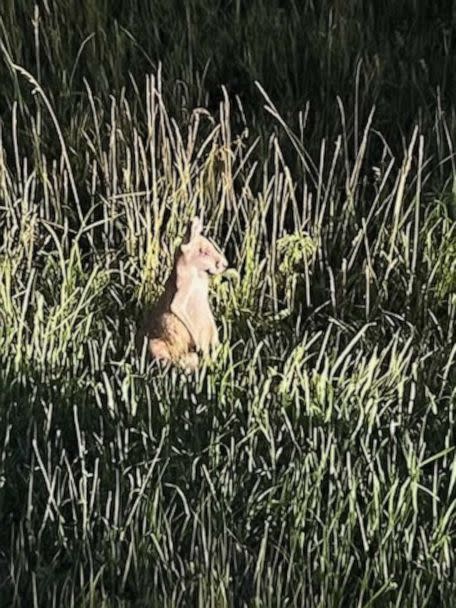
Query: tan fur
x,y
181,322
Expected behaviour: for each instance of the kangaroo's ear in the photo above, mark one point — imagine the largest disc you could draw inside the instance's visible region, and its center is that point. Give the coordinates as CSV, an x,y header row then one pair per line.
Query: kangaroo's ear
x,y
195,229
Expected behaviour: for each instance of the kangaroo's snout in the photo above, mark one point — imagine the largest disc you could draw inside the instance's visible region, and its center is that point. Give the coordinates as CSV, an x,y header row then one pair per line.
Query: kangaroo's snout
x,y
221,265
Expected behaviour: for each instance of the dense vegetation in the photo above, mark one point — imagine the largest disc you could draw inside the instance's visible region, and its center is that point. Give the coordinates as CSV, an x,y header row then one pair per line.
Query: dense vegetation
x,y
312,463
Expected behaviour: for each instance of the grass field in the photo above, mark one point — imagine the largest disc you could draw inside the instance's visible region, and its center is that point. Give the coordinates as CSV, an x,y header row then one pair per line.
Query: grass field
x,y
312,463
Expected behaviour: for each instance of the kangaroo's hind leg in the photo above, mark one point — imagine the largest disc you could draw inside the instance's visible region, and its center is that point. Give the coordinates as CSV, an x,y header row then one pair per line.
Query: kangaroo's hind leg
x,y
159,350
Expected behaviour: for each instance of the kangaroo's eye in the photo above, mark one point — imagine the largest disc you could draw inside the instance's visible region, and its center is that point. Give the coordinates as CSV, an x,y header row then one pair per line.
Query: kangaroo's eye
x,y
203,252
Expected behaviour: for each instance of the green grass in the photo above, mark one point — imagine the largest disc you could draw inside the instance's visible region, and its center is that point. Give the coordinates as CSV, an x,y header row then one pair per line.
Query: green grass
x,y
312,463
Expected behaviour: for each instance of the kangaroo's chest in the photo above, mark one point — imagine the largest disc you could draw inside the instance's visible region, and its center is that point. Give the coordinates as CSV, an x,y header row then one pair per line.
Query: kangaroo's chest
x,y
200,311
192,306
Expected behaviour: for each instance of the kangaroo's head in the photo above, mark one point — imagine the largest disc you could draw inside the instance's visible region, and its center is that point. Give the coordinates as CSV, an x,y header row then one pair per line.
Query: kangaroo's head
x,y
200,253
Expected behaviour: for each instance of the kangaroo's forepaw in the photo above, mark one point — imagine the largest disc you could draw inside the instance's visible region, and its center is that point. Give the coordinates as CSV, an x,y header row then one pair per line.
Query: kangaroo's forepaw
x,y
189,362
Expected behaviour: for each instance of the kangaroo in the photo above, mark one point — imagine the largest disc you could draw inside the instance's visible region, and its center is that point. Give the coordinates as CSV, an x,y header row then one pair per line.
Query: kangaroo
x,y
180,323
